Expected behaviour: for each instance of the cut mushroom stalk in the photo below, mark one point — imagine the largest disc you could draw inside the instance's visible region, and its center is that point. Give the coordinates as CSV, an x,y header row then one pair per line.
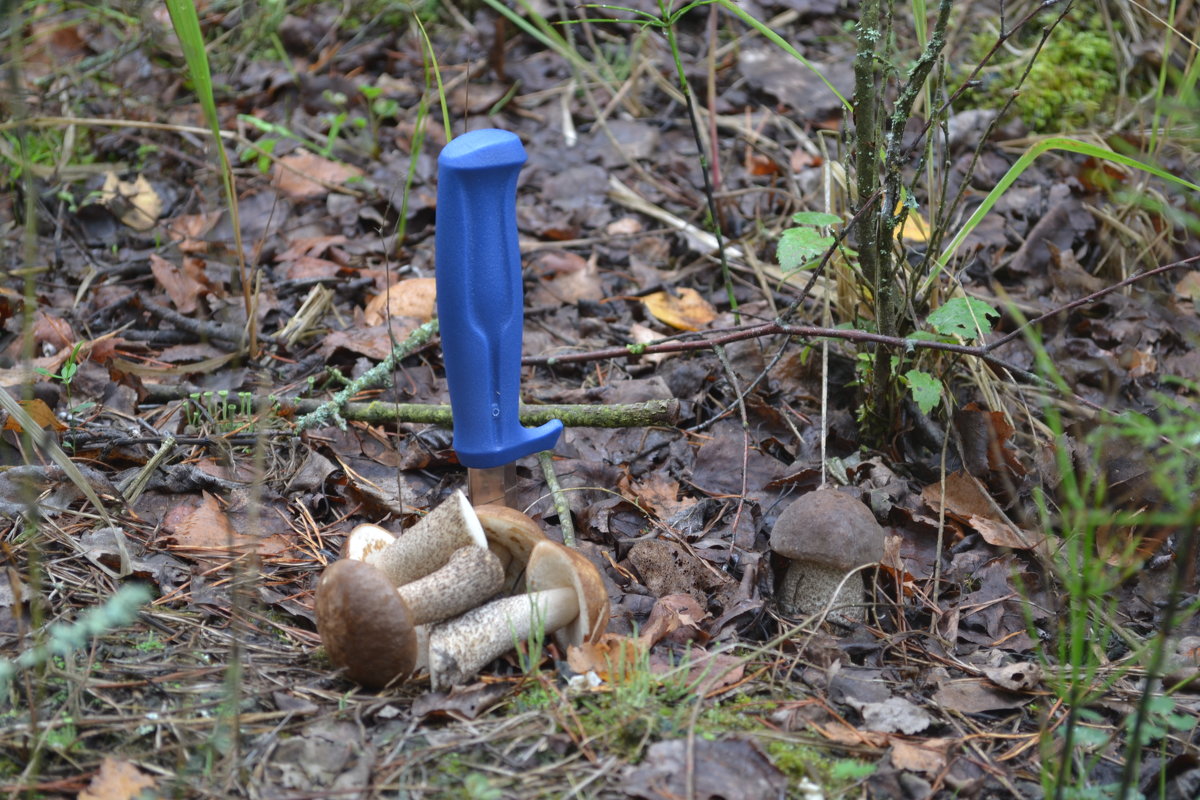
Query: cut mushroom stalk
x,y
427,545
566,597
461,647
375,630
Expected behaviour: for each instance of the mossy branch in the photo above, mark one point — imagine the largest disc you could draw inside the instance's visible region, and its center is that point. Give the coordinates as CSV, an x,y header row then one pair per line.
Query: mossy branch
x,y
330,413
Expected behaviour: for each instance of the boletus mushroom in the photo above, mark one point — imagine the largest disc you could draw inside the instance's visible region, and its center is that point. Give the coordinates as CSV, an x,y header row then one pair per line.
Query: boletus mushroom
x,y
372,628
565,596
825,534
424,547
512,536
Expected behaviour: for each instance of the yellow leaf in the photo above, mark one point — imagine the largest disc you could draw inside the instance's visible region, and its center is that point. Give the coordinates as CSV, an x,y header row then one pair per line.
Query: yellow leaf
x,y
134,202
40,413
686,312
915,228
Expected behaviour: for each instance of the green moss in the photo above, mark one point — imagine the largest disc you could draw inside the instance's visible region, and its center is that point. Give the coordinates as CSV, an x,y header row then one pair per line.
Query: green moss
x,y
1070,85
798,761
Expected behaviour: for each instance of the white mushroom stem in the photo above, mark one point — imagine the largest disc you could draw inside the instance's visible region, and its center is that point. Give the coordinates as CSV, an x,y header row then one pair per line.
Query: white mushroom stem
x,y
458,649
472,576
428,545
809,587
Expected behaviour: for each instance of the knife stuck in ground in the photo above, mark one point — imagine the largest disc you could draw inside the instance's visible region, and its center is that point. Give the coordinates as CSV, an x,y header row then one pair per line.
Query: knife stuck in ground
x,y
481,310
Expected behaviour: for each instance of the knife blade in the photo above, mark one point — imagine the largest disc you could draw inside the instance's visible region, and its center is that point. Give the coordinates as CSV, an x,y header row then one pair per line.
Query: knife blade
x,y
480,305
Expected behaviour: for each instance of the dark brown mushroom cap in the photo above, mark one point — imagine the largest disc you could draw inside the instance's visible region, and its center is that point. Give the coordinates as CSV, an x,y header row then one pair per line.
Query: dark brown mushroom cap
x,y
364,624
829,528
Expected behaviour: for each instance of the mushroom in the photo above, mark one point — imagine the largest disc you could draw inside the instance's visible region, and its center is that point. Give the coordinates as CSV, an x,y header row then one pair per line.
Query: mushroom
x,y
372,628
512,536
825,534
565,597
507,532
424,547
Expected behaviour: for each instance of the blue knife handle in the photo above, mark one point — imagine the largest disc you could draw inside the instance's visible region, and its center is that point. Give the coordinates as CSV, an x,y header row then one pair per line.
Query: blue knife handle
x,y
480,300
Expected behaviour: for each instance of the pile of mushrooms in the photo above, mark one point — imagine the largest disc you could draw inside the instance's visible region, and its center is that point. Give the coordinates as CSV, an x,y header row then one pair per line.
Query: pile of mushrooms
x,y
462,587
826,535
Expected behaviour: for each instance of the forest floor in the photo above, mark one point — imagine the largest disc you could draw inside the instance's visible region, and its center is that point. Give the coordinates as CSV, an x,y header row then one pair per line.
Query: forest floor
x,y
1031,630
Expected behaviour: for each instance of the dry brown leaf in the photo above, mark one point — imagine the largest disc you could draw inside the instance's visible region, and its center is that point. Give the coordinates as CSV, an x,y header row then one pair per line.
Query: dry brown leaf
x,y
308,268
134,202
183,288
303,175
415,297
188,230
660,493
1189,286
686,311
311,246
565,278
922,755
671,614
612,657
40,413
203,525
372,342
968,500
116,780
1020,677
972,696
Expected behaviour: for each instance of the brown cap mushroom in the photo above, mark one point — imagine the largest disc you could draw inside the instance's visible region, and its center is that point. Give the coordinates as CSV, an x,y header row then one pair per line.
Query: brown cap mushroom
x,y
566,596
364,624
825,534
511,535
371,628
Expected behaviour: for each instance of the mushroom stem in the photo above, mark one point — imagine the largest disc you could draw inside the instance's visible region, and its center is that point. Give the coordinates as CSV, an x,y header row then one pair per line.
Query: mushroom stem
x,y
461,647
428,545
808,588
473,575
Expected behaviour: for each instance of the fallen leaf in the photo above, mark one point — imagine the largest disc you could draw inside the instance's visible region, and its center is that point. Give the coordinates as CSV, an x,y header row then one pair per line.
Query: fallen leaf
x,y
204,526
923,755
372,342
40,413
134,202
894,715
731,769
461,702
675,613
644,335
565,278
180,284
187,231
968,500
116,780
302,175
612,657
625,226
915,228
415,297
1189,286
1020,677
972,696
685,311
